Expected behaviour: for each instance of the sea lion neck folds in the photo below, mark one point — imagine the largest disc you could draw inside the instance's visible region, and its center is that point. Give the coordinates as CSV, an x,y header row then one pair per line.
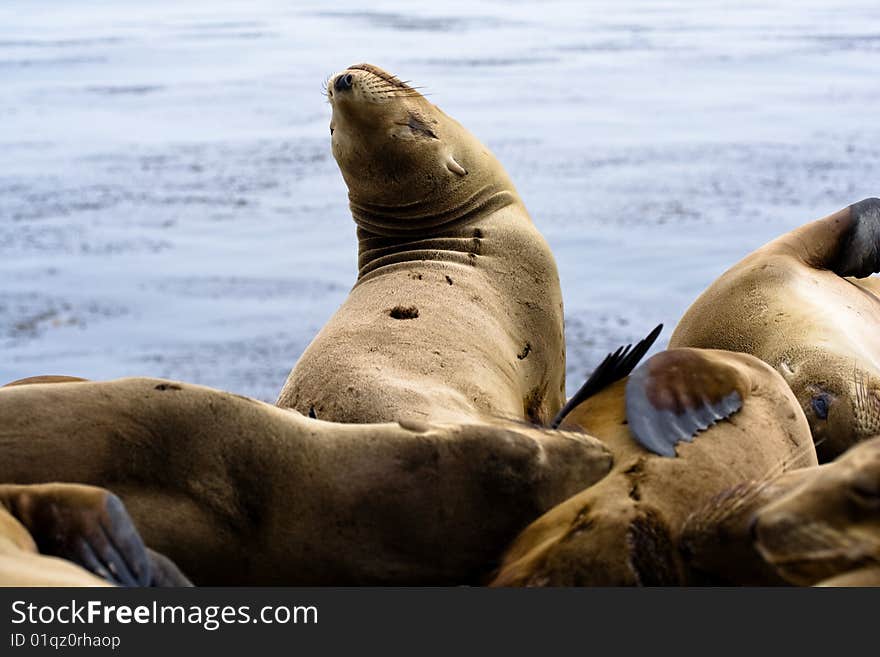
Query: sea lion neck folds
x,y
422,218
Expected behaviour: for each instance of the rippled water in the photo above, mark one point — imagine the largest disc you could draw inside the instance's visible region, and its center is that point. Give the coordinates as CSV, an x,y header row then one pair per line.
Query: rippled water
x,y
169,206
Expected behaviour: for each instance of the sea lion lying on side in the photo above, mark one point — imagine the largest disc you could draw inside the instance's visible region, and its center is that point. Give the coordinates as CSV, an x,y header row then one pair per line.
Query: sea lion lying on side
x,y
804,304
212,479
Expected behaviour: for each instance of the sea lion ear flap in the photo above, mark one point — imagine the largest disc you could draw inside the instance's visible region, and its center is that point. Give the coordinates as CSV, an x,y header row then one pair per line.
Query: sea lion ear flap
x,y
454,166
678,393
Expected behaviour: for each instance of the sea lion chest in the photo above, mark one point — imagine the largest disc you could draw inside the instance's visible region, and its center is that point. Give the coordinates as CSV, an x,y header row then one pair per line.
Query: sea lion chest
x,y
442,328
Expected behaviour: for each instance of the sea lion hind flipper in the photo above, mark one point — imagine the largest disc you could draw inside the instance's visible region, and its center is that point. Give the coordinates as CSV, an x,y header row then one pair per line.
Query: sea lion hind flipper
x,y
614,367
859,252
678,393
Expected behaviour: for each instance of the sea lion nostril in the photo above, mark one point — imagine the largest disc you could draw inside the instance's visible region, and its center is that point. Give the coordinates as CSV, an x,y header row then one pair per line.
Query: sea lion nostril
x,y
343,82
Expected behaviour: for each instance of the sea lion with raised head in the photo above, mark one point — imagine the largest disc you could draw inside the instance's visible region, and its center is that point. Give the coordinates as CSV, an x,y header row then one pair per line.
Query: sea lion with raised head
x,y
625,529
804,304
452,336
457,310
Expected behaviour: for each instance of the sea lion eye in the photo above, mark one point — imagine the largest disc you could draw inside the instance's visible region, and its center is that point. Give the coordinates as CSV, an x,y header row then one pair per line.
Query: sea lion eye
x,y
420,127
820,406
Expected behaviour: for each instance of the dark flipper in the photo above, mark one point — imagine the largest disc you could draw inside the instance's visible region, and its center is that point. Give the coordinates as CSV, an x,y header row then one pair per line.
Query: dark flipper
x,y
96,532
615,366
91,527
859,252
678,393
165,572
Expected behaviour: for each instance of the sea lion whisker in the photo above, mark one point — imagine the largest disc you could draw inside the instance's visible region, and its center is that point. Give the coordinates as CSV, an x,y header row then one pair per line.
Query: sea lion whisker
x,y
786,463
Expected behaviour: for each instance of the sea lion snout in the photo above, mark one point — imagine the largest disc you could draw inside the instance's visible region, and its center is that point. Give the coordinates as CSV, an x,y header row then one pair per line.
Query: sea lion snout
x,y
767,527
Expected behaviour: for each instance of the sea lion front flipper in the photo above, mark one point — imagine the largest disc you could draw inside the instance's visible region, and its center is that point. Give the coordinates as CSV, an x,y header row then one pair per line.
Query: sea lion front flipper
x,y
614,367
83,524
846,242
859,254
678,393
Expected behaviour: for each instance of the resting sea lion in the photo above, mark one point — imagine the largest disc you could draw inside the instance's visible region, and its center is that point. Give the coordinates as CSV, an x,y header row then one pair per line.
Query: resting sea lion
x,y
45,530
625,529
215,480
457,309
454,324
794,304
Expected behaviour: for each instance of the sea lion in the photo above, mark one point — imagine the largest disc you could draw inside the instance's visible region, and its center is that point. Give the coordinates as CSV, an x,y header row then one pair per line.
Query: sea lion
x,y
717,541
811,526
46,378
624,530
236,491
451,338
457,310
827,529
803,304
46,530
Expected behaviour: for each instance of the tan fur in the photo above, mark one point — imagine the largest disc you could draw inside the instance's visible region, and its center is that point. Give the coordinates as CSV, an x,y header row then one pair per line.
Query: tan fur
x,y
813,526
717,543
821,331
457,310
862,577
453,329
829,525
213,480
625,529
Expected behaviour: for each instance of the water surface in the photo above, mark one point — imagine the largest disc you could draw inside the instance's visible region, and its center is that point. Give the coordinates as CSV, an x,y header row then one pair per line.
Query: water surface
x,y
169,205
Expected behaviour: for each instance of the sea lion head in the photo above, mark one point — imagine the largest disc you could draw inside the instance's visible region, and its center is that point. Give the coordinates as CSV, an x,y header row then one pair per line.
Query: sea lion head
x,y
839,395
828,525
405,162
